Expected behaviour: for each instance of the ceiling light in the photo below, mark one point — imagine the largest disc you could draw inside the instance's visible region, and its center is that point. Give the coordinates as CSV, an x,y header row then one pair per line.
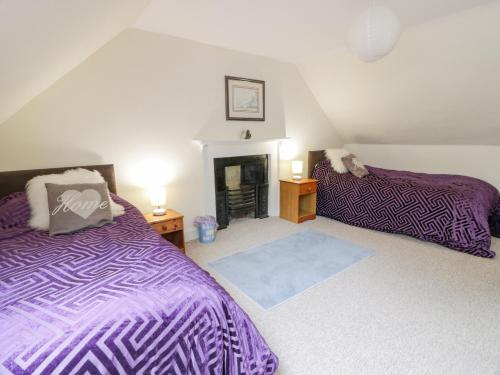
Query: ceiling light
x,y
374,33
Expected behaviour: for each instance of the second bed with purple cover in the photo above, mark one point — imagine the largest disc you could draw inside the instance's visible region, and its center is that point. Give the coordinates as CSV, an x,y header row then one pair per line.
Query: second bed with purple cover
x,y
459,212
115,300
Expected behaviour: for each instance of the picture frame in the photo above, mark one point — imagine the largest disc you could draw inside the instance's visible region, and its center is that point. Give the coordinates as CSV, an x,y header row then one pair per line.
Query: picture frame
x,y
245,99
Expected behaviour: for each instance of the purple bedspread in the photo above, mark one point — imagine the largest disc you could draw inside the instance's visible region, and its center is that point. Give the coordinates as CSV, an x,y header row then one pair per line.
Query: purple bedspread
x,y
115,300
446,209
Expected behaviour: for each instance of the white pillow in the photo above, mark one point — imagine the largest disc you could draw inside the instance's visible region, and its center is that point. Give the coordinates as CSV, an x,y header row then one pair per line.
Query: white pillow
x,y
335,155
37,193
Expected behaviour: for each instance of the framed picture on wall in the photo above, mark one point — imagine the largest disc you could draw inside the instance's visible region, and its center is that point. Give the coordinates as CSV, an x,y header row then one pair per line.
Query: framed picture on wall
x,y
245,99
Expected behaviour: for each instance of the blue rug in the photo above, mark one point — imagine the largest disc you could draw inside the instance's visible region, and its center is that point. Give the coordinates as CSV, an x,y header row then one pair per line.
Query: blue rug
x,y
276,271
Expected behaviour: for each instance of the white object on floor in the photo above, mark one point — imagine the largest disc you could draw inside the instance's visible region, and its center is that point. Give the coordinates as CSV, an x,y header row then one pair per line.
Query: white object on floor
x,y
37,193
413,308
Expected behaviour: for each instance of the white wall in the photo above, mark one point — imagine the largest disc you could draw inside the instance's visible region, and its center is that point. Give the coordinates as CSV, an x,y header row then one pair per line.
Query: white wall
x,y
142,99
441,85
477,161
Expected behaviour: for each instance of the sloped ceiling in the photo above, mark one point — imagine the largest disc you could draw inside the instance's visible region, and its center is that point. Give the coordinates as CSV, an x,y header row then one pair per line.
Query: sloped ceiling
x,y
289,30
41,40
441,85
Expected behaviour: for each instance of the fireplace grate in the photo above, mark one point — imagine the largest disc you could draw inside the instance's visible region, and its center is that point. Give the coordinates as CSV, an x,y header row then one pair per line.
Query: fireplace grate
x,y
241,201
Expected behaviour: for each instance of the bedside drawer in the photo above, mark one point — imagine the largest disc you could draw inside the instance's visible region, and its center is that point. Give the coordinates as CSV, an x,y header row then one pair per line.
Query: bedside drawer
x,y
307,188
168,226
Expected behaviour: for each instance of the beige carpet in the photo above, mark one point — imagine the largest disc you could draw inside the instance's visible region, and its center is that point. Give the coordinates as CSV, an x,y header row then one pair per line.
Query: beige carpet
x,y
412,308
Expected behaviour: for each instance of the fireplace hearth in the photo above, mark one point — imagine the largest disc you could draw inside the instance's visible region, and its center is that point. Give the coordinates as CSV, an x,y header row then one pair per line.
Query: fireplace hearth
x,y
241,187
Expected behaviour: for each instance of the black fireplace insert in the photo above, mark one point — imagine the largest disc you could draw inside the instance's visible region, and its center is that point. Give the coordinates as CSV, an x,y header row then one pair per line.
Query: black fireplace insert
x,y
241,187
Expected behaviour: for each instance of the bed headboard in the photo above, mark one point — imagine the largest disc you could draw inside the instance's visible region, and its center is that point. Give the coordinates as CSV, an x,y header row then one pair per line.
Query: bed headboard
x,y
314,158
13,181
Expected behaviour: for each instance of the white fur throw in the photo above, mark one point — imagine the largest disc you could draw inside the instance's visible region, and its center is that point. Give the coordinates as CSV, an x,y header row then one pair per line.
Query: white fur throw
x,y
335,155
37,193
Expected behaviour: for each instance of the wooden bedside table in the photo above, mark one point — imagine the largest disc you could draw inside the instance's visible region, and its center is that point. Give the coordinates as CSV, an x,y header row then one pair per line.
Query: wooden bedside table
x,y
298,199
170,226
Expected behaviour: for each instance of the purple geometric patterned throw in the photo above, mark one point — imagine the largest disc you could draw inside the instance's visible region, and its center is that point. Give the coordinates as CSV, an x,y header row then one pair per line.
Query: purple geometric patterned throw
x,y
115,300
446,209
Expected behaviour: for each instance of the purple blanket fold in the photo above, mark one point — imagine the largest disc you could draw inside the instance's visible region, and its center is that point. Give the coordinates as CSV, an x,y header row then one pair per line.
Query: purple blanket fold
x,y
115,300
495,220
454,211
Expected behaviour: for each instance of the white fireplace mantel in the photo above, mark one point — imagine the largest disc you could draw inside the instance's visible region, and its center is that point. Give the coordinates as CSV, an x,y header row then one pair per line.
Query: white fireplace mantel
x,y
212,142
212,149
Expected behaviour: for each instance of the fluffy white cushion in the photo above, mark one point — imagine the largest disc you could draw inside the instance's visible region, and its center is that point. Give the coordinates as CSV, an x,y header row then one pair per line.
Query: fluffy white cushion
x,y
37,193
335,155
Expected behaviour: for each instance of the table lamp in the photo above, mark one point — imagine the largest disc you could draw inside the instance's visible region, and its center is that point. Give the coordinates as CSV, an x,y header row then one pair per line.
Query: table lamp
x,y
297,166
158,197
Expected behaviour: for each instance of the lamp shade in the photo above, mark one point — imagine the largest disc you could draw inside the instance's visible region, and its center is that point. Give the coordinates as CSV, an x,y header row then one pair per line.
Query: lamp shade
x,y
158,196
374,33
297,166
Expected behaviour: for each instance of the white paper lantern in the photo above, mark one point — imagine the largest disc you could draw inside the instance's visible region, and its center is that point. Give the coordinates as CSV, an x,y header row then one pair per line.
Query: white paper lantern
x,y
374,33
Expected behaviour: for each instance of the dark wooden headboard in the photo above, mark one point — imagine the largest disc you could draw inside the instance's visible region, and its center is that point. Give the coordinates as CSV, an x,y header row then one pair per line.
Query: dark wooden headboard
x,y
13,181
314,158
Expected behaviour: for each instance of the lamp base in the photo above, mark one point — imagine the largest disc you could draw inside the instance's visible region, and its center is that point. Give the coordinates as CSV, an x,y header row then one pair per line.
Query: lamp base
x,y
159,211
297,177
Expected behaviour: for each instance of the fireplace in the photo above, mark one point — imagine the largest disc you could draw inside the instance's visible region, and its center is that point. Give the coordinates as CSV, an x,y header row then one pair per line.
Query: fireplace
x,y
241,187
